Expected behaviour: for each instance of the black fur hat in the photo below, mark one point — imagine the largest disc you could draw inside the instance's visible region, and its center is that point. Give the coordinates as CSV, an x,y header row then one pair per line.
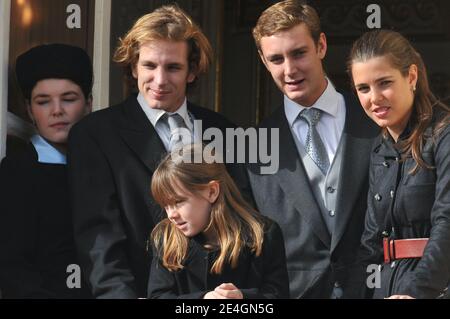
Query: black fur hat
x,y
54,61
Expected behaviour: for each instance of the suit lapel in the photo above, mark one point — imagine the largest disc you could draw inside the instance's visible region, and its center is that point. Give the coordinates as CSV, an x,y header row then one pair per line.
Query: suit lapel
x,y
357,143
294,181
352,177
140,135
202,114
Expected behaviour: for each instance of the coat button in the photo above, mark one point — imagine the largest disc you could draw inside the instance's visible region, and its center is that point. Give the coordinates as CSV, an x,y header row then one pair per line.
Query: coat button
x,y
386,164
337,284
377,197
330,189
332,213
392,194
393,264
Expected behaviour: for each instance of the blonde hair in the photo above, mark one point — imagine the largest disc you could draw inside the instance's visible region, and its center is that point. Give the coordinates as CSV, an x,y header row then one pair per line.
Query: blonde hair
x,y
401,55
285,15
165,23
232,220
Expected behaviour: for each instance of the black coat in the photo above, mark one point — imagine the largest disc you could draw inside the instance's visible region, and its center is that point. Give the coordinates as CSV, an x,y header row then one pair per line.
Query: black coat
x,y
36,238
418,206
316,260
258,277
112,156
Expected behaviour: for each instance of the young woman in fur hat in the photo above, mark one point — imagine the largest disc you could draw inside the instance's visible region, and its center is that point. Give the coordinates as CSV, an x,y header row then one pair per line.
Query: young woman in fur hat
x,y
38,257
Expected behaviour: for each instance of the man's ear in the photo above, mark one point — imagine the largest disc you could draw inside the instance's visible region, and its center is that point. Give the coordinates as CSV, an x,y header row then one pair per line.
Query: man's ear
x,y
322,46
191,77
134,71
214,190
261,55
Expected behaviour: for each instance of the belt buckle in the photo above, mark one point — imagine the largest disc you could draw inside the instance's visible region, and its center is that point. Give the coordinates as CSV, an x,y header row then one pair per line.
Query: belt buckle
x,y
387,254
388,248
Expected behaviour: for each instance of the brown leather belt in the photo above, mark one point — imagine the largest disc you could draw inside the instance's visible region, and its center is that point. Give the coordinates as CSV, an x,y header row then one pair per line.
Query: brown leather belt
x,y
403,248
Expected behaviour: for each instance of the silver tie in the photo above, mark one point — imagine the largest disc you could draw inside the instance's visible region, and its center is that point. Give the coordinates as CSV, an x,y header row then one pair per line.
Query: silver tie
x,y
177,128
314,145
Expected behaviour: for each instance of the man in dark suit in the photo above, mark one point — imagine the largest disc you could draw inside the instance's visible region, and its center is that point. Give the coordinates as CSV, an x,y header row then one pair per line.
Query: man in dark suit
x,y
114,152
318,195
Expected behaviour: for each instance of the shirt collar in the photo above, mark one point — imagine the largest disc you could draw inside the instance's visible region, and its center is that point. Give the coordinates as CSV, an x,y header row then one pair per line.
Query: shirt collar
x,y
154,115
47,154
327,102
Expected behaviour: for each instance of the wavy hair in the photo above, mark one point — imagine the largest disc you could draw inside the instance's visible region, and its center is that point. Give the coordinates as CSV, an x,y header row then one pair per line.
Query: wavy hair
x,y
168,22
285,15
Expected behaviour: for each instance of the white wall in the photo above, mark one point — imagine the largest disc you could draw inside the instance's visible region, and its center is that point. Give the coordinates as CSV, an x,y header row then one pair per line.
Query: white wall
x,y
102,54
5,9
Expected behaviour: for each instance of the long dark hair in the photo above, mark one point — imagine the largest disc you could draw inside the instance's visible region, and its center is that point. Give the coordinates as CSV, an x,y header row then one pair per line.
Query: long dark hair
x,y
401,54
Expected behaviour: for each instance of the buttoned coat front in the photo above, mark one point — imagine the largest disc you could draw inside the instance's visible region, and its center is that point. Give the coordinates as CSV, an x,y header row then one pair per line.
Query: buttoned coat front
x,y
418,206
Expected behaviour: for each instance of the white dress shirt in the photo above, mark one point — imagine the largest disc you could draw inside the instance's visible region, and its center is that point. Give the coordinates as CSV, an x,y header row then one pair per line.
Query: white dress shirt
x,y
331,123
155,115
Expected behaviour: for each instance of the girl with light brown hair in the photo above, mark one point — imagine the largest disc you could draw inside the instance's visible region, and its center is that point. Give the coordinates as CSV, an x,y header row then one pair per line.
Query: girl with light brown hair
x,y
212,244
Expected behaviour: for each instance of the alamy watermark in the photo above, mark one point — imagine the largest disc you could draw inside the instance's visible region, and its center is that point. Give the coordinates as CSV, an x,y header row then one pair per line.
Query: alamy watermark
x,y
249,146
374,19
374,278
73,20
74,279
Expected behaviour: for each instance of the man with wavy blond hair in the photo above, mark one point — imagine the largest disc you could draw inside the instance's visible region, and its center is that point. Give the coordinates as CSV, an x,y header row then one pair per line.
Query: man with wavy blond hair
x,y
114,152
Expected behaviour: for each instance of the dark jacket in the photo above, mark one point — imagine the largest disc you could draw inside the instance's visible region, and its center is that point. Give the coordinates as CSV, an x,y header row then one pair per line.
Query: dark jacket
x,y
258,277
36,238
112,156
317,261
410,206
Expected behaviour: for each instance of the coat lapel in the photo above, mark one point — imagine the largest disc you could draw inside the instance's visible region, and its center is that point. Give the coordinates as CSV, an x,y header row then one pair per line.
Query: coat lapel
x,y
196,263
294,181
140,135
357,140
352,176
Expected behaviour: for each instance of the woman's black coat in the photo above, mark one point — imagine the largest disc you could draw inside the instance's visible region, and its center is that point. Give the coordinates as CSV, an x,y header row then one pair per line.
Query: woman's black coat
x,y
259,277
36,237
418,206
